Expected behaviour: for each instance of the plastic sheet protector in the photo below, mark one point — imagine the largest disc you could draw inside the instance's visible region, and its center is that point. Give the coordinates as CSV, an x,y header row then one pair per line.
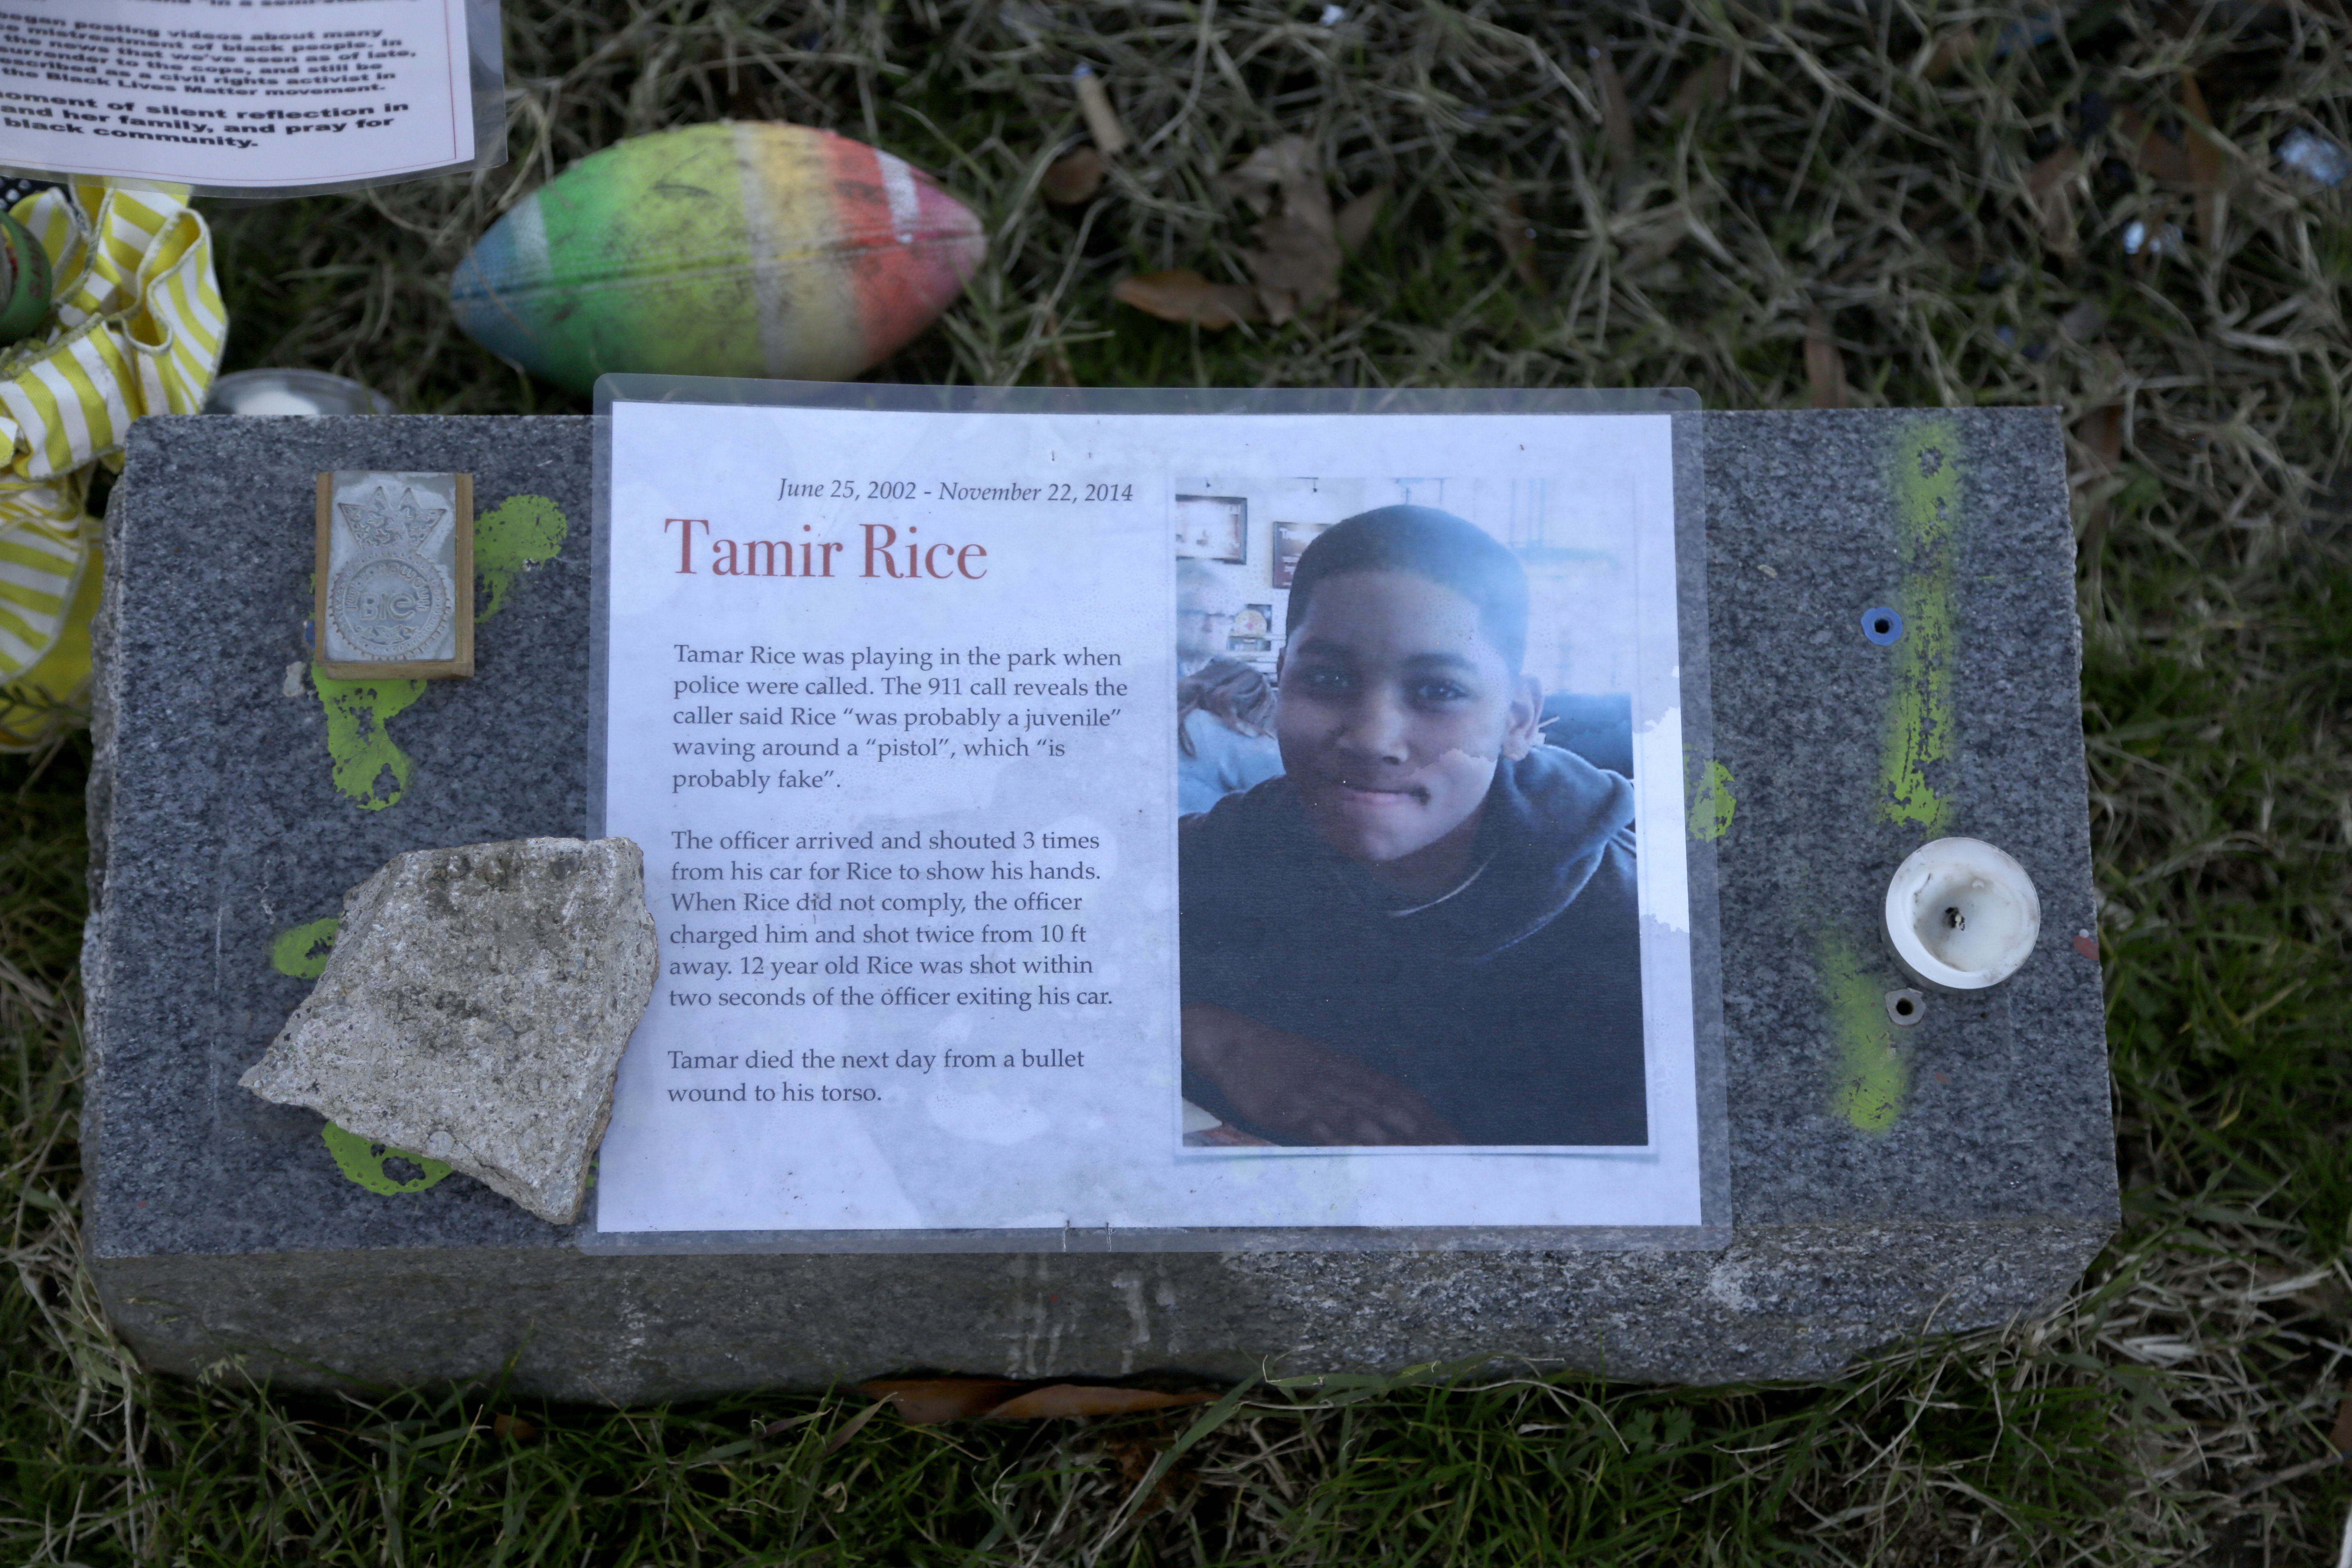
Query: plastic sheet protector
x,y
1157,820
234,97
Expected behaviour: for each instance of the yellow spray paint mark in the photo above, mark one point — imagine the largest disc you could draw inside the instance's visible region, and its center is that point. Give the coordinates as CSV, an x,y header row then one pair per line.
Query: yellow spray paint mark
x,y
362,1161
1918,733
1872,1079
363,750
1712,803
369,767
301,950
523,531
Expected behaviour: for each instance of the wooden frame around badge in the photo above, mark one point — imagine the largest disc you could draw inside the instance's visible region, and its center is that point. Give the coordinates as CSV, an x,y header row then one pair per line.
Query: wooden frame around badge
x,y
461,667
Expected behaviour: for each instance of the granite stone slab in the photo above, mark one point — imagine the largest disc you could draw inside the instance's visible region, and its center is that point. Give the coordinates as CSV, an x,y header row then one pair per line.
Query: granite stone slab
x,y
1960,1172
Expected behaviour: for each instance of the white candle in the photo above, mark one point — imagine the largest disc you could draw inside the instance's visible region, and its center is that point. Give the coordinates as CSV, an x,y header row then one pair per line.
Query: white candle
x,y
277,400
1962,914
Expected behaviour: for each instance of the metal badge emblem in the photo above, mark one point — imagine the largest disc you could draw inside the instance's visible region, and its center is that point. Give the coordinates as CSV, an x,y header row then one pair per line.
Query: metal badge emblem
x,y
393,550
390,608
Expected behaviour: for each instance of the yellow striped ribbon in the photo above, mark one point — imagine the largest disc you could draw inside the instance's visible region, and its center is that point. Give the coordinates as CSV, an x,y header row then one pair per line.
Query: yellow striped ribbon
x,y
135,327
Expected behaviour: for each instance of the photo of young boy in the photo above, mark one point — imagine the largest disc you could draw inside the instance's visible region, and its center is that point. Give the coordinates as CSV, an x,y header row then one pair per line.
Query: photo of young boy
x,y
1425,931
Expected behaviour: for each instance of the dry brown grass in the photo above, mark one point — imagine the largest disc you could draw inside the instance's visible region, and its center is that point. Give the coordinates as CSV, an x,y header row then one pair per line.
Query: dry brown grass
x,y
1891,203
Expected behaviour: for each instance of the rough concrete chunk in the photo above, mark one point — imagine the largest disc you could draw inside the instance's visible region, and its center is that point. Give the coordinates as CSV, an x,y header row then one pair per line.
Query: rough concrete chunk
x,y
475,1009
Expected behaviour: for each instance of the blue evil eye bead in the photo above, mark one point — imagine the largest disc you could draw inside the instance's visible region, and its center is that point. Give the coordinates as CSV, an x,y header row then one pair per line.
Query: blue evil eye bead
x,y
24,282
1883,625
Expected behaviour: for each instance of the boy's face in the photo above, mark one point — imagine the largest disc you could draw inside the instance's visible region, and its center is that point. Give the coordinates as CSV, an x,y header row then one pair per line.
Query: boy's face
x,y
1394,711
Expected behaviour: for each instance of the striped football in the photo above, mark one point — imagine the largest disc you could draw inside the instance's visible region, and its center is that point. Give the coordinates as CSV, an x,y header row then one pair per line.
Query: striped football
x,y
747,249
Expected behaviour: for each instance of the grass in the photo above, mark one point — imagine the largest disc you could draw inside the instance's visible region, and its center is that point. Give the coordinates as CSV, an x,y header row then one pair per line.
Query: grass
x,y
1710,192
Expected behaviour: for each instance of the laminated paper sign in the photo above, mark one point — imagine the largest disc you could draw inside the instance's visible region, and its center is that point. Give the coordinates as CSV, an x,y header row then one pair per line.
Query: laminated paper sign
x,y
1135,820
226,95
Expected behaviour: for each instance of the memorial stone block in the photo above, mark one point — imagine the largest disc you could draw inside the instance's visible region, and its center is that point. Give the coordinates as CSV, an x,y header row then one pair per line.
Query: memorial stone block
x,y
1887,1174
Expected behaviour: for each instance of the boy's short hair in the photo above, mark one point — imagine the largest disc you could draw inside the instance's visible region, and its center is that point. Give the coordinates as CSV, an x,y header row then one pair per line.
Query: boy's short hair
x,y
1429,544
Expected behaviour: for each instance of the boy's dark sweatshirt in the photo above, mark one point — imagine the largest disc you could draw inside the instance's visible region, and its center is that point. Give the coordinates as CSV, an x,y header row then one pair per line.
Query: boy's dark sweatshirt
x,y
1512,1007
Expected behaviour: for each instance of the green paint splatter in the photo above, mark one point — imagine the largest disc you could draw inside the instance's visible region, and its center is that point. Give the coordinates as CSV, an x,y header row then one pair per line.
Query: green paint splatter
x,y
1873,1078
1918,735
371,769
1712,803
523,531
301,950
357,739
362,1161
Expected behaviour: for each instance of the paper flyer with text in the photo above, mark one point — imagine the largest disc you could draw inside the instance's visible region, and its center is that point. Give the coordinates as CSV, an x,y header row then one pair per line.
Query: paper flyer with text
x,y
1148,822
226,93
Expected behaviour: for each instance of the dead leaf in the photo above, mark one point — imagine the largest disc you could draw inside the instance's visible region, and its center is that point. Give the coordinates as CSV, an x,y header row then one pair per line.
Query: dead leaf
x,y
2101,432
1824,367
1135,1457
1060,1399
1518,237
512,1427
1948,54
1296,263
1353,224
2158,155
1073,177
2050,185
2205,163
2084,321
1278,172
2047,174
1181,294
1702,88
925,1400
2341,1439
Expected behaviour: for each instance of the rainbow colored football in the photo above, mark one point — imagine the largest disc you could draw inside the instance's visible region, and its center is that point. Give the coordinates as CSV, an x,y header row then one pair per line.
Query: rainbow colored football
x,y
747,249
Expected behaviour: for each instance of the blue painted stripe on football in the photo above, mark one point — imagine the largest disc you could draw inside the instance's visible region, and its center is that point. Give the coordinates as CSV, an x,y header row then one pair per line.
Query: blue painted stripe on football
x,y
490,291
